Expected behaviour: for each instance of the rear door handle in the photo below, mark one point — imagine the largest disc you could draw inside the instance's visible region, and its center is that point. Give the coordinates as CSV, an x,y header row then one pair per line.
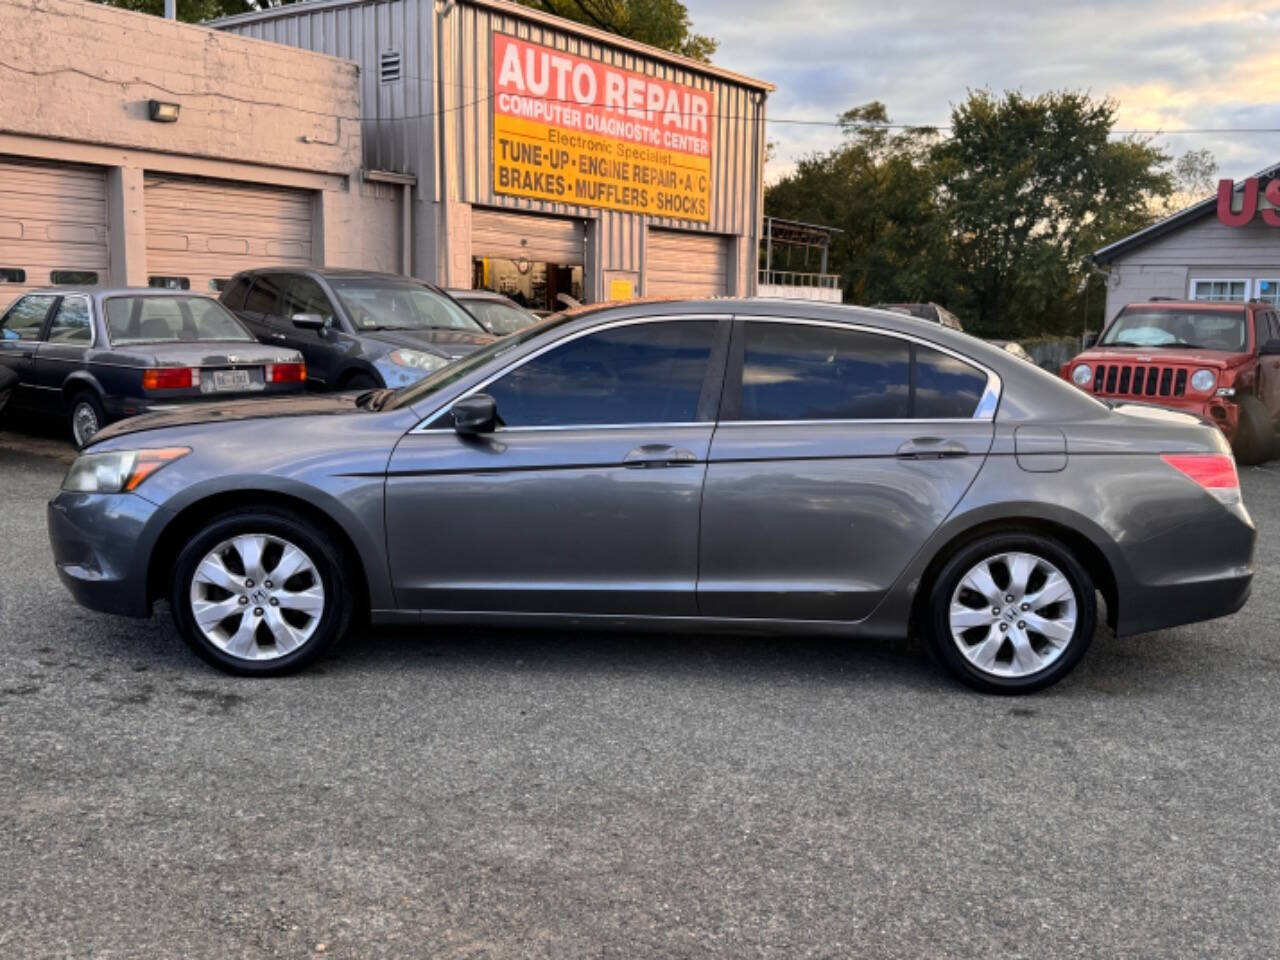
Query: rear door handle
x,y
931,448
659,455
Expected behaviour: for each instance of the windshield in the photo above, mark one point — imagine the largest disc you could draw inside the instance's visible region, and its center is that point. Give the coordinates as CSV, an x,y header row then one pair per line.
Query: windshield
x,y
375,304
1181,328
177,319
501,318
434,383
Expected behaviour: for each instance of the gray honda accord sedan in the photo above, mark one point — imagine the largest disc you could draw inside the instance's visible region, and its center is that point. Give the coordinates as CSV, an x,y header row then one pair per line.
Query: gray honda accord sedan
x,y
732,465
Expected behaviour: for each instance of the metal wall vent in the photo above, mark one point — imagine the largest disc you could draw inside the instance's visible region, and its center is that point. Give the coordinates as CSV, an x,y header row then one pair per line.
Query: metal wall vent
x,y
389,66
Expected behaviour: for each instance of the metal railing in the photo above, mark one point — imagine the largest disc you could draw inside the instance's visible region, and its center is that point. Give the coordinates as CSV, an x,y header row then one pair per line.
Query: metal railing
x,y
792,278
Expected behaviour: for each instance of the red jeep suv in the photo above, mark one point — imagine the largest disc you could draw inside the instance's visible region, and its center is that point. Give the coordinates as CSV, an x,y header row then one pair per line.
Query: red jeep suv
x,y
1219,360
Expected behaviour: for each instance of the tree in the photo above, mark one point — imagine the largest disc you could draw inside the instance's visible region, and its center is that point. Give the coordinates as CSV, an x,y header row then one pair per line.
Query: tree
x,y
1030,186
1195,177
660,23
196,11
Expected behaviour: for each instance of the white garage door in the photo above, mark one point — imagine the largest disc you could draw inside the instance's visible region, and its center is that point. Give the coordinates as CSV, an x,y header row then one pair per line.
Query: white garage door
x,y
516,236
681,264
53,226
200,232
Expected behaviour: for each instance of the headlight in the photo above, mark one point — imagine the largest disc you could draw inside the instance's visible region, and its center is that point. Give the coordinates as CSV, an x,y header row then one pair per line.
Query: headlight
x,y
1081,374
1202,381
118,471
417,359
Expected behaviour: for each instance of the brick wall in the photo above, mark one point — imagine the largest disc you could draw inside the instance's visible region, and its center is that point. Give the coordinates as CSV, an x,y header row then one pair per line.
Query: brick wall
x,y
78,71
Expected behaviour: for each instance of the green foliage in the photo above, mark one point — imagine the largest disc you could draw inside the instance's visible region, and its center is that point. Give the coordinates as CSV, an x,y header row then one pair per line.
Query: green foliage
x,y
192,11
995,222
660,23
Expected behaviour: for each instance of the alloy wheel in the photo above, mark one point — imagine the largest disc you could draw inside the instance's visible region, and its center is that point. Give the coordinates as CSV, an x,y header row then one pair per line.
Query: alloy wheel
x,y
1013,614
84,423
257,597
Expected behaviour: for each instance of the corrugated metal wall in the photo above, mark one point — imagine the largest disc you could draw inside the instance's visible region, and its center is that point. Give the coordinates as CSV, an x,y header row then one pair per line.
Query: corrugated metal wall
x,y
397,118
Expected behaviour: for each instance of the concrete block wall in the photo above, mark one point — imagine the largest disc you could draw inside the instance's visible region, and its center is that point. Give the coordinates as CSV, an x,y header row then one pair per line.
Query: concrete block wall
x,y
84,72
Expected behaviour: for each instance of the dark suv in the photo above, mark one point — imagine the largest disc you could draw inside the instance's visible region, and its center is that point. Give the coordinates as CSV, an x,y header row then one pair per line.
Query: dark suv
x,y
1220,360
356,329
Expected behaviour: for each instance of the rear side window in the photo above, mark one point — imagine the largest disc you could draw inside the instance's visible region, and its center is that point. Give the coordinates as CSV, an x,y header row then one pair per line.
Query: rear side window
x,y
25,318
233,294
71,322
264,296
794,371
639,373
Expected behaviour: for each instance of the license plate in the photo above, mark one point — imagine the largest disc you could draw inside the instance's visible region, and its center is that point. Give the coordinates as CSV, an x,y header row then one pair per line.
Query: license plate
x,y
226,380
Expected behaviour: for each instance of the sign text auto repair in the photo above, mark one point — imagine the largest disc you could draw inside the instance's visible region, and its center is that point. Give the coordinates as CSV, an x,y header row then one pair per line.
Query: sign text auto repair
x,y
572,130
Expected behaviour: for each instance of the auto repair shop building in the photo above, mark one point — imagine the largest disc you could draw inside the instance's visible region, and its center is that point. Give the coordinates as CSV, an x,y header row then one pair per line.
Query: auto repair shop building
x,y
543,156
136,150
1226,247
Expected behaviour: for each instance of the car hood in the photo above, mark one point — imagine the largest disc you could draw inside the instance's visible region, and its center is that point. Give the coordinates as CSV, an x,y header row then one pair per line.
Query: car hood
x,y
209,353
450,343
1215,359
189,414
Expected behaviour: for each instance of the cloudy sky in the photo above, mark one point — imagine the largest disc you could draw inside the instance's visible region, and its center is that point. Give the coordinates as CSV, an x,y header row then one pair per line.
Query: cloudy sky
x,y
1172,64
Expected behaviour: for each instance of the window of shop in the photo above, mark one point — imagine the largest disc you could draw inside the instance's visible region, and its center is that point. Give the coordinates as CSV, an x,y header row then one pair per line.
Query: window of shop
x,y
170,283
73,278
1268,290
1220,290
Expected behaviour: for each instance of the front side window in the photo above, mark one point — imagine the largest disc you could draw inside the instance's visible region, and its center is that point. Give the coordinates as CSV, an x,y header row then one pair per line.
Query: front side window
x,y
1220,290
303,295
71,322
794,371
632,374
25,318
1178,328
385,304
264,295
176,319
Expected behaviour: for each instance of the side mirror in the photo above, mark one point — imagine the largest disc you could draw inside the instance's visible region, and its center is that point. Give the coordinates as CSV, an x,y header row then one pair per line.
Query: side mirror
x,y
1270,348
1089,339
308,321
477,413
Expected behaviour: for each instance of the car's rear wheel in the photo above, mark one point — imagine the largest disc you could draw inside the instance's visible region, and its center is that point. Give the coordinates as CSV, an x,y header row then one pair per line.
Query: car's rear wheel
x,y
260,592
86,417
1255,437
1012,612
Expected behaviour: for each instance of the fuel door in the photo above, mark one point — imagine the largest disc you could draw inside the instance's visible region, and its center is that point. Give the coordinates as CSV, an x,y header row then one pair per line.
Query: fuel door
x,y
1040,449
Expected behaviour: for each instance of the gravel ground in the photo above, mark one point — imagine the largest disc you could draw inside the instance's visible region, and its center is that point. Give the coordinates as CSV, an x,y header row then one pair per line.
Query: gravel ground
x,y
501,794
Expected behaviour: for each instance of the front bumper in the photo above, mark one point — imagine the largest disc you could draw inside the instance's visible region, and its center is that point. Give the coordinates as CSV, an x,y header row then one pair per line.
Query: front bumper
x,y
102,546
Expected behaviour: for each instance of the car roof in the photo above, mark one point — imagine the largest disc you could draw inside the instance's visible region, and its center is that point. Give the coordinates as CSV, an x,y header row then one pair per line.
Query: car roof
x,y
102,292
343,272
459,294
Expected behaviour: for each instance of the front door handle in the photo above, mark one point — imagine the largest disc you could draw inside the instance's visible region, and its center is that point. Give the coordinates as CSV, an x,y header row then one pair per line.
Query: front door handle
x,y
931,448
659,455
278,336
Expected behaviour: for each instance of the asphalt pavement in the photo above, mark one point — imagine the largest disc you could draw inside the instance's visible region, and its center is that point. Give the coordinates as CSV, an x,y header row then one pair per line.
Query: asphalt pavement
x,y
491,794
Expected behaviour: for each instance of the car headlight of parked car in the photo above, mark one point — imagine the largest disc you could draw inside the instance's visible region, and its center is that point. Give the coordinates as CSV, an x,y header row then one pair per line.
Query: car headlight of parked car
x,y
119,471
1082,374
1202,381
426,362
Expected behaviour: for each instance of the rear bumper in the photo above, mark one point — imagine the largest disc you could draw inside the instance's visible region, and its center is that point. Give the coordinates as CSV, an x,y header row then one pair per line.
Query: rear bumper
x,y
102,545
119,407
1160,608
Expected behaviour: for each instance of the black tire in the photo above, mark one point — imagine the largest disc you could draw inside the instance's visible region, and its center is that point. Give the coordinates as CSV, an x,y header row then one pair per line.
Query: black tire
x,y
271,522
359,381
936,618
84,404
1255,438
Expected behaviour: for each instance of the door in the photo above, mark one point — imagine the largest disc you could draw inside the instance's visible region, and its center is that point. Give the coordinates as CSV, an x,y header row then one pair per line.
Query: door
x,y
527,257
65,346
684,264
53,226
1268,328
839,452
320,348
20,331
586,500
201,231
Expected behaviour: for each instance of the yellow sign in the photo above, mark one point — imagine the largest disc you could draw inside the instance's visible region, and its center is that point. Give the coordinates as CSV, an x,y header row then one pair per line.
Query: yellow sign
x,y
622,290
577,131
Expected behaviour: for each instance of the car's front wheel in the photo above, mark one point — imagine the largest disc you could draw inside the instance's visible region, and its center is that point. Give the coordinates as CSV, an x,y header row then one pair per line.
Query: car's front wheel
x,y
1012,612
260,592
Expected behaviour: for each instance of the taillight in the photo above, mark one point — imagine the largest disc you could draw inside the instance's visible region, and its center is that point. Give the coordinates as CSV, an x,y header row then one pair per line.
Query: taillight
x,y
1216,472
286,372
171,378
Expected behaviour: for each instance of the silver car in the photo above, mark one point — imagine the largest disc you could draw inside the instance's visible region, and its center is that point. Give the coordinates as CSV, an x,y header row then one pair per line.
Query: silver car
x,y
758,464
